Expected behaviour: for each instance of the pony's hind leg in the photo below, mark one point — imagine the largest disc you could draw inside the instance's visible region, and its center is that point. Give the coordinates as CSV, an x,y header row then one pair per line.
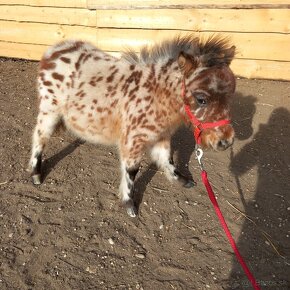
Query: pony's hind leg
x,y
46,124
131,156
128,175
160,154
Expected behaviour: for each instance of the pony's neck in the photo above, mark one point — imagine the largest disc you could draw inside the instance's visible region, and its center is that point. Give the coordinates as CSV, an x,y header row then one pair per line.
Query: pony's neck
x,y
169,91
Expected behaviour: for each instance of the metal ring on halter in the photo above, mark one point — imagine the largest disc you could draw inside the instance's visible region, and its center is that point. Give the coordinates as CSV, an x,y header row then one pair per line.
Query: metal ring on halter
x,y
199,154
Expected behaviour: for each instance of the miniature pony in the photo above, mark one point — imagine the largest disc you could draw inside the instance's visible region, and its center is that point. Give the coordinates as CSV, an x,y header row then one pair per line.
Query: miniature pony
x,y
135,102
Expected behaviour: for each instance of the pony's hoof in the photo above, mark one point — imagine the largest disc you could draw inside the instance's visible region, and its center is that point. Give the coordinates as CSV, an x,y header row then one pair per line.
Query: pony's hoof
x,y
36,179
130,207
190,184
132,211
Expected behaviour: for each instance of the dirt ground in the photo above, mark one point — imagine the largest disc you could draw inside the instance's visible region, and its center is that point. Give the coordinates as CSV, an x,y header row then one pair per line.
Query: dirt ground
x,y
71,233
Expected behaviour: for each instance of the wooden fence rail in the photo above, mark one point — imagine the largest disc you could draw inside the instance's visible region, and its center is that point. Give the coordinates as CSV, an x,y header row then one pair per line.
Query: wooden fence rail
x,y
261,32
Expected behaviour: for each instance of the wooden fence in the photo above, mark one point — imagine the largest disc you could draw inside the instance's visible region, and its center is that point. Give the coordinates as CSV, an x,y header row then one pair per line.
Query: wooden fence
x,y
260,31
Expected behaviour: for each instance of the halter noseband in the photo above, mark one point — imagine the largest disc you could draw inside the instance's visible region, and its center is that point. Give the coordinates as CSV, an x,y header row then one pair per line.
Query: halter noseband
x,y
199,126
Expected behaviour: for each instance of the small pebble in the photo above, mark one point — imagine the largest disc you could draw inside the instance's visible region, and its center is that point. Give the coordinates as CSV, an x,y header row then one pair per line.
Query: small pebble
x,y
111,242
91,271
140,256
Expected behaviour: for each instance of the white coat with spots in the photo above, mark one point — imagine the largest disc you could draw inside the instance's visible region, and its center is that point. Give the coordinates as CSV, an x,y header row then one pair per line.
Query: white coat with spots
x,y
134,102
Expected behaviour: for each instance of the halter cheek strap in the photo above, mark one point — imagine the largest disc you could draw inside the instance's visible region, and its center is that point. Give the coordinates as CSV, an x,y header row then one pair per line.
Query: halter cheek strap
x,y
199,126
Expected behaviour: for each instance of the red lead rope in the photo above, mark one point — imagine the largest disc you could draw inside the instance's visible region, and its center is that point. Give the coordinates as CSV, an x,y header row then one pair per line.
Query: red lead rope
x,y
226,230
198,127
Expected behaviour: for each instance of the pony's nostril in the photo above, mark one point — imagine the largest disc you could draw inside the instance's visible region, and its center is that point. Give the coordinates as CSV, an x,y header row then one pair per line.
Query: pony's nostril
x,y
223,144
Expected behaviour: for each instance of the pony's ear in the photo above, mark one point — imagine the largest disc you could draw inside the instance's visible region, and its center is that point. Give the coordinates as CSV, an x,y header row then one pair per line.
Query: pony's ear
x,y
224,57
229,54
186,63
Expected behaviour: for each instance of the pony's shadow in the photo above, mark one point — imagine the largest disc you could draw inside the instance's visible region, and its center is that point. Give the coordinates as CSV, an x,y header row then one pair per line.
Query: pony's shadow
x,y
51,162
141,184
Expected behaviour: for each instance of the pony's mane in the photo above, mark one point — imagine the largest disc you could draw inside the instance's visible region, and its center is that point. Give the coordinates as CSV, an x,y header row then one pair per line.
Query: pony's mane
x,y
171,49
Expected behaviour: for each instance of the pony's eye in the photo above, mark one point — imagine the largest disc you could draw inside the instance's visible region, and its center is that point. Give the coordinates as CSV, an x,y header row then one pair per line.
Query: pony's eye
x,y
200,98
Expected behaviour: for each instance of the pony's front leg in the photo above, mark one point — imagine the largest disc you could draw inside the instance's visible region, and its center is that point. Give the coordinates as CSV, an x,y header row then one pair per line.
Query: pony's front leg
x,y
160,154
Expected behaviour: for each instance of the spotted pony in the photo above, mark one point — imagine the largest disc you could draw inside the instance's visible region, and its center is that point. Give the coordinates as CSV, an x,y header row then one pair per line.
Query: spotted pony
x,y
135,102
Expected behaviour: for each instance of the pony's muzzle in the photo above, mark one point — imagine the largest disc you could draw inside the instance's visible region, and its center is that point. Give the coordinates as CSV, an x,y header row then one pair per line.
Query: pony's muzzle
x,y
218,139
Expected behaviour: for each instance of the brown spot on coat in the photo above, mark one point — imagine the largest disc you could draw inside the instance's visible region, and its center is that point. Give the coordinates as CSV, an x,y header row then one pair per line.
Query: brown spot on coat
x,y
92,83
111,77
65,59
57,76
81,107
113,105
142,116
79,93
81,84
47,83
75,46
87,57
78,63
149,127
47,65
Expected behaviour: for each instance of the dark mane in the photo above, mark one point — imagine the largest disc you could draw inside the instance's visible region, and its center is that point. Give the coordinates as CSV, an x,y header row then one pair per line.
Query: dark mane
x,y
208,50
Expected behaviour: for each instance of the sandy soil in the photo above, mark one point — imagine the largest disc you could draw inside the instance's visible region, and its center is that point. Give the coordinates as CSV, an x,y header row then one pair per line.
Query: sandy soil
x,y
71,233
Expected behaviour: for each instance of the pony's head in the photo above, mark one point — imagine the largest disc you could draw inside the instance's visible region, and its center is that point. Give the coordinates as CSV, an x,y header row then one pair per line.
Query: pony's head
x,y
209,84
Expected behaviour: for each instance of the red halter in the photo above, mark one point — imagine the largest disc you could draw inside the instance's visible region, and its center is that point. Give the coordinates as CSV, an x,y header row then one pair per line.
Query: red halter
x,y
199,126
